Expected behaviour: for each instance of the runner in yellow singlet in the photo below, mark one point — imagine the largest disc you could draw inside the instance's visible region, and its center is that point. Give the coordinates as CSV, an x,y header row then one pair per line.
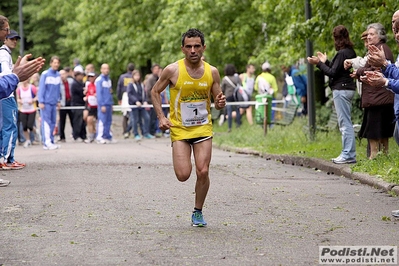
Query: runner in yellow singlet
x,y
192,84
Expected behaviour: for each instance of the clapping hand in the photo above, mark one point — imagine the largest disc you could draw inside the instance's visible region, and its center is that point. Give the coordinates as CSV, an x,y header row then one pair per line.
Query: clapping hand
x,y
376,56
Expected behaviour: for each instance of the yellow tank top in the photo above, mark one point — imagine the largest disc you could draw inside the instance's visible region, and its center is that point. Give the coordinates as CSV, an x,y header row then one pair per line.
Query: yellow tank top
x,y
190,105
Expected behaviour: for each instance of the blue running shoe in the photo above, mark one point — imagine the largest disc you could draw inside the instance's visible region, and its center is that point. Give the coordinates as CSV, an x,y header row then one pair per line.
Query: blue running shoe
x,y
198,219
149,136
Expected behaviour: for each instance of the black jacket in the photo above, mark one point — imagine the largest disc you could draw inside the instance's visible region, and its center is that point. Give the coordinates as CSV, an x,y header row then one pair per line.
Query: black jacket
x,y
339,76
77,96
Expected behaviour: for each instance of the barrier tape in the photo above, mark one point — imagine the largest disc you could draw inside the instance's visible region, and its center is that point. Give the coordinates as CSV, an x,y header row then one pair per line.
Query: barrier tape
x,y
122,108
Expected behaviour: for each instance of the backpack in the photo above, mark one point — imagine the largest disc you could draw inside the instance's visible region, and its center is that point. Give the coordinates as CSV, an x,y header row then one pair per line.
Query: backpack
x,y
290,84
291,89
239,94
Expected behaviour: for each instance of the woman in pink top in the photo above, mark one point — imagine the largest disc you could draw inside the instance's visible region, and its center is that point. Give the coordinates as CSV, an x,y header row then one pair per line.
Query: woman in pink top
x,y
26,98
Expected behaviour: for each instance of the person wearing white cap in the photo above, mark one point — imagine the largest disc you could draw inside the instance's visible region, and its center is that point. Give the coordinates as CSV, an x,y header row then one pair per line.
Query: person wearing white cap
x,y
77,100
266,83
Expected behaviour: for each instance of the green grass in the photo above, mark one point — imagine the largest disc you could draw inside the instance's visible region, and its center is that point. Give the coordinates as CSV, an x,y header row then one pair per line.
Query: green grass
x,y
293,140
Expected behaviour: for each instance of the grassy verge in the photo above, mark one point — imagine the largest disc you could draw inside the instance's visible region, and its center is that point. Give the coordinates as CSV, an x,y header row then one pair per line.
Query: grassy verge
x,y
293,140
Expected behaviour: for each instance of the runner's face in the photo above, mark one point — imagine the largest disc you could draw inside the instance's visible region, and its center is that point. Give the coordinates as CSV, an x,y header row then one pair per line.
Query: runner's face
x,y
193,49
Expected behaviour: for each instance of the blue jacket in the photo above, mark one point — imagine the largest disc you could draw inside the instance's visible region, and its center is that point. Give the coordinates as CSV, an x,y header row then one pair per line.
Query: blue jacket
x,y
49,87
104,91
123,81
8,83
136,93
300,82
392,74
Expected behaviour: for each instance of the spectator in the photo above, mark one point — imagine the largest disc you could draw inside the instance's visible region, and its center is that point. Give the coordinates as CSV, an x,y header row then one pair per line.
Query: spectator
x,y
228,85
77,100
88,69
389,78
66,98
377,102
123,81
34,80
152,79
165,96
390,72
343,88
91,99
49,101
26,98
248,82
76,62
266,83
301,84
357,63
104,105
139,114
9,109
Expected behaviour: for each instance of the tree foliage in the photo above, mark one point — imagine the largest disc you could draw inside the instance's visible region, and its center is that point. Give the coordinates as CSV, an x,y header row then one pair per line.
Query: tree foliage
x,y
148,31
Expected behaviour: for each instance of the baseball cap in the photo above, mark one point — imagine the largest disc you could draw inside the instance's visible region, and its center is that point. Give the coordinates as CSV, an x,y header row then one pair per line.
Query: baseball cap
x,y
13,34
78,70
266,66
91,74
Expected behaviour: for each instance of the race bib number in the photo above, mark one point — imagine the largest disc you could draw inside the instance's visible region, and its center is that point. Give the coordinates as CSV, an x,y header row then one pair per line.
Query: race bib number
x,y
26,105
92,100
194,114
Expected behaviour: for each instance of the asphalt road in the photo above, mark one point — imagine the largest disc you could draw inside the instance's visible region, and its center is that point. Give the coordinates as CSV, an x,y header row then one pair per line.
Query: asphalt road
x,y
120,204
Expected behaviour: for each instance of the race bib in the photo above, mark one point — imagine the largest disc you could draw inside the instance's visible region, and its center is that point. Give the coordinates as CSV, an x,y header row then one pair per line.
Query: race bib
x,y
194,114
92,100
26,105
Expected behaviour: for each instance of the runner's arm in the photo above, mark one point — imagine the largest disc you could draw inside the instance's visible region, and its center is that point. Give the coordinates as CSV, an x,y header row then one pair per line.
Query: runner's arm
x,y
219,98
163,81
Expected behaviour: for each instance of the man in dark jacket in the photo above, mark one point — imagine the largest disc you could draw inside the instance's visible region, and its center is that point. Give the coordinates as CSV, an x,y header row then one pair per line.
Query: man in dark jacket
x,y
124,80
77,99
154,129
139,115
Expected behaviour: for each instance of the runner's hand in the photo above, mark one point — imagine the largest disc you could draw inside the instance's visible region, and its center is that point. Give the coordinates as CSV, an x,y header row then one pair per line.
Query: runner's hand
x,y
220,101
164,123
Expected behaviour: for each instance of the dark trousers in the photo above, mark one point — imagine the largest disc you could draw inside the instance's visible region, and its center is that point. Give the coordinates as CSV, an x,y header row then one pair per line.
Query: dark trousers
x,y
127,123
153,122
79,126
63,116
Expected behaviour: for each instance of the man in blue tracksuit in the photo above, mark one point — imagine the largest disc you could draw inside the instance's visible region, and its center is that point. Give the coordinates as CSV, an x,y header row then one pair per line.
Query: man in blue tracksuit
x,y
49,99
104,106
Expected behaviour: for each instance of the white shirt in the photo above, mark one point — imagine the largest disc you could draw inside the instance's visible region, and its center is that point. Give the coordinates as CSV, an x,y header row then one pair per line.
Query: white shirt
x,y
6,64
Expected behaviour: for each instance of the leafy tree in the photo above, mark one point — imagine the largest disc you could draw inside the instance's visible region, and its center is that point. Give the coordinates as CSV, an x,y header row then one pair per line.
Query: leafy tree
x,y
146,31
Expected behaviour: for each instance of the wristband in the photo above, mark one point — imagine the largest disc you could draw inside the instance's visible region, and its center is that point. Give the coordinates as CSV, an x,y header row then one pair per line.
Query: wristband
x,y
384,66
386,83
